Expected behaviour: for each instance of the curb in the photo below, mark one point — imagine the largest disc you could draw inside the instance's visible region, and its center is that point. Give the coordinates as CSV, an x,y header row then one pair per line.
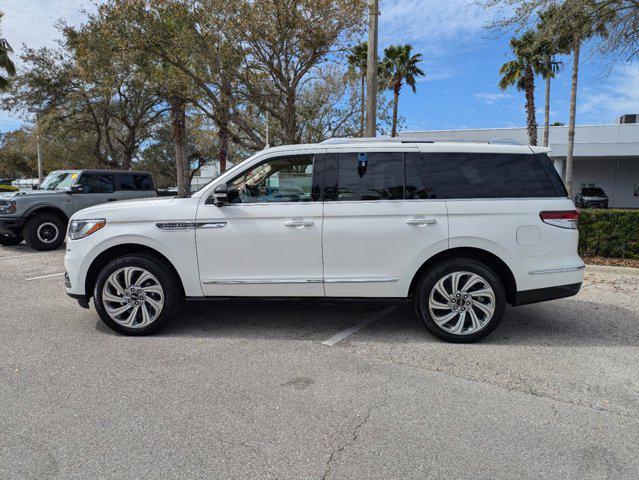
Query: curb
x,y
611,269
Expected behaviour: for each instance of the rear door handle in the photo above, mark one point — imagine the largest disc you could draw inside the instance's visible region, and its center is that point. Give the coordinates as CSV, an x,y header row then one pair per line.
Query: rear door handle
x,y
112,199
421,221
299,223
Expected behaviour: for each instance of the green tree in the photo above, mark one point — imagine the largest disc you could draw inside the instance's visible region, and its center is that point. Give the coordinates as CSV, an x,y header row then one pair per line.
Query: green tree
x,y
6,63
357,63
399,66
521,71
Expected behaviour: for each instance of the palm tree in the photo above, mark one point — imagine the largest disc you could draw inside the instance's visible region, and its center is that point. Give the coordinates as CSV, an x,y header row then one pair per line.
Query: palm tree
x,y
357,59
521,72
549,69
398,67
575,21
5,62
549,48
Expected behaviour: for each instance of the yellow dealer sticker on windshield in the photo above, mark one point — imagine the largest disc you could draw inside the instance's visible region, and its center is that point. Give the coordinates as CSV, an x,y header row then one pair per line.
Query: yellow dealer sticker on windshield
x,y
74,176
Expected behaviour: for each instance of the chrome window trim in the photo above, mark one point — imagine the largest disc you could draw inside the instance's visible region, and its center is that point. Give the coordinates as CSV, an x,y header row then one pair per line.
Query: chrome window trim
x,y
557,270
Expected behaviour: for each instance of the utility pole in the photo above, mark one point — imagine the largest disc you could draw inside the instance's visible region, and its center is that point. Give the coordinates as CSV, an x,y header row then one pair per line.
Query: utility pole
x,y
40,167
371,70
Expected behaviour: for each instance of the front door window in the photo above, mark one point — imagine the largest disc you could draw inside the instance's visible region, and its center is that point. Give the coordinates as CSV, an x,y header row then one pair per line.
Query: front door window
x,y
281,179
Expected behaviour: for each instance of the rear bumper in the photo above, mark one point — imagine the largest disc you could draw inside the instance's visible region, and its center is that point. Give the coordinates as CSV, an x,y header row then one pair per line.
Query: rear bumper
x,y
11,225
526,297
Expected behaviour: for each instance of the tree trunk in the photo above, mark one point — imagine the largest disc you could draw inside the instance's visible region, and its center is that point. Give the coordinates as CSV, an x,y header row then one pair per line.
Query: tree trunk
x,y
576,46
396,90
223,127
178,120
530,106
290,122
547,114
362,107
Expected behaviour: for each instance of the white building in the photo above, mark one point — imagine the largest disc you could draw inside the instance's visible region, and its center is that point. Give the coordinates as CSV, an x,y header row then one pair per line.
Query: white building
x,y
606,156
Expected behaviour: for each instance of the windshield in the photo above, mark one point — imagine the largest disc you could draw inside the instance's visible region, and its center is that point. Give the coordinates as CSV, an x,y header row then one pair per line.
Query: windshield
x,y
58,180
593,192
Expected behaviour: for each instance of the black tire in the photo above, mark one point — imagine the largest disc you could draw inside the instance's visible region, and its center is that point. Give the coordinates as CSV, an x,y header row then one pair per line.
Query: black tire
x,y
10,240
44,231
471,331
166,279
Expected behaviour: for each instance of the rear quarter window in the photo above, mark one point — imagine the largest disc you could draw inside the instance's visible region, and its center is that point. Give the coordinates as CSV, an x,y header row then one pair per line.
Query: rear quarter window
x,y
489,175
135,181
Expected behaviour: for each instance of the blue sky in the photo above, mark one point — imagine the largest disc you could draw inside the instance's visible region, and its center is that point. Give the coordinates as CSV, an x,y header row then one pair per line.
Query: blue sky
x,y
461,60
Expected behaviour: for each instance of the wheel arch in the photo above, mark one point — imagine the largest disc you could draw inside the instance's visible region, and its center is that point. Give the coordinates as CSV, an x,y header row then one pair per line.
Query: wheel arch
x,y
490,259
116,251
47,209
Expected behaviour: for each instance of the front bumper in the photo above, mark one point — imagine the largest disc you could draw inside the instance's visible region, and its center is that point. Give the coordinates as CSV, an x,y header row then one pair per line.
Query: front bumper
x,y
11,225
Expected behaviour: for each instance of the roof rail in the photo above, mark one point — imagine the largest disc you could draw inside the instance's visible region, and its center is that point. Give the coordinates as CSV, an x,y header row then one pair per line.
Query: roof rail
x,y
408,139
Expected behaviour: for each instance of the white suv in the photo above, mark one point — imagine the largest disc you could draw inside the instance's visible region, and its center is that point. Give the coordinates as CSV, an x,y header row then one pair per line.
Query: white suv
x,y
460,229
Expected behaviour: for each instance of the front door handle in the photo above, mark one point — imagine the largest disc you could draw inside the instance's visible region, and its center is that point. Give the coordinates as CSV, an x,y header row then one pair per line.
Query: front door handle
x,y
421,221
112,199
299,223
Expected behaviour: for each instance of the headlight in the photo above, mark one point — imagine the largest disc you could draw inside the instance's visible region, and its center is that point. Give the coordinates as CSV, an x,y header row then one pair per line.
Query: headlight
x,y
7,207
83,228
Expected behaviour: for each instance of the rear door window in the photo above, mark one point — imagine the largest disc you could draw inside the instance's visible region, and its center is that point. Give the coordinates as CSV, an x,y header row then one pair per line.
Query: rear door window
x,y
370,176
489,175
135,181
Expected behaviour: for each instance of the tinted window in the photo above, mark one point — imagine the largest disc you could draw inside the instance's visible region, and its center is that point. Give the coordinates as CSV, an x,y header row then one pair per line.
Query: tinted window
x,y
418,182
96,183
281,179
489,175
370,176
592,192
135,181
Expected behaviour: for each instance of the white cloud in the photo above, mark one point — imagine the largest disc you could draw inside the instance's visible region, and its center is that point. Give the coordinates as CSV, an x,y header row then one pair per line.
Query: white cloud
x,y
619,96
433,23
32,22
490,98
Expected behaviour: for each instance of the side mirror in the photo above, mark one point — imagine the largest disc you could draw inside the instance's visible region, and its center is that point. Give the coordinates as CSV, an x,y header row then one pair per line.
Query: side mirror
x,y
223,195
75,189
34,187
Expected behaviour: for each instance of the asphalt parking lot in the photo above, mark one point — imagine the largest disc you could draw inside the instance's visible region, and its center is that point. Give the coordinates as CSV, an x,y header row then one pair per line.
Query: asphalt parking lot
x,y
252,390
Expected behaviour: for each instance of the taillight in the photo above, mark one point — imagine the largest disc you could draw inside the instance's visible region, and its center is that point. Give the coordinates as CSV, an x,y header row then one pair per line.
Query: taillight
x,y
562,219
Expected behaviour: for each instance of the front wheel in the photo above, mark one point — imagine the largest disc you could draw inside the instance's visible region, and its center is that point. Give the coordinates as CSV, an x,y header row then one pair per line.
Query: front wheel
x,y
44,231
460,300
136,294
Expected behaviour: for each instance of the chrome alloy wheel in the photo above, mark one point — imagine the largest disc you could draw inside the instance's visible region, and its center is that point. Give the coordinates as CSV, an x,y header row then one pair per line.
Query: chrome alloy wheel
x,y
133,297
47,232
462,303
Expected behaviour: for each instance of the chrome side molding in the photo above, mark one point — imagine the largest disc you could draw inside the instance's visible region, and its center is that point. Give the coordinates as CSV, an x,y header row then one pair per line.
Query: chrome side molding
x,y
260,281
360,280
557,270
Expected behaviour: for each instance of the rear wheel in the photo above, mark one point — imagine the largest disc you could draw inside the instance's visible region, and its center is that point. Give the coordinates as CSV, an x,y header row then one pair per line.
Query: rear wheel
x,y
10,240
44,231
136,294
460,300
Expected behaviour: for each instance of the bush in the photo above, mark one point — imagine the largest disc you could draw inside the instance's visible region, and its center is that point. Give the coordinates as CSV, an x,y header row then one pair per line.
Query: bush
x,y
609,233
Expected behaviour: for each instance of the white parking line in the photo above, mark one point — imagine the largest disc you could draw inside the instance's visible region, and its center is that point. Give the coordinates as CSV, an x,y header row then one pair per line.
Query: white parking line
x,y
20,256
45,276
351,330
